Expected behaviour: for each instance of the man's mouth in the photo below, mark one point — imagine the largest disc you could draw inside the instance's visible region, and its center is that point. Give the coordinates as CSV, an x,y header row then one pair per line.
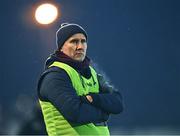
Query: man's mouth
x,y
80,53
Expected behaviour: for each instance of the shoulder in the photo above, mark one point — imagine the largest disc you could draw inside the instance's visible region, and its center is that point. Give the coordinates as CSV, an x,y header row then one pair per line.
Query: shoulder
x,y
50,74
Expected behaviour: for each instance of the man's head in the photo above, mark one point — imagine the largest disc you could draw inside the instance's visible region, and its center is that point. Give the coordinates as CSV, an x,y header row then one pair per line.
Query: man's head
x,y
72,40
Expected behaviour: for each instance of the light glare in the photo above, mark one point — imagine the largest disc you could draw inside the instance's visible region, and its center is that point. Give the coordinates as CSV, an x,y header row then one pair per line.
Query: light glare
x,y
46,13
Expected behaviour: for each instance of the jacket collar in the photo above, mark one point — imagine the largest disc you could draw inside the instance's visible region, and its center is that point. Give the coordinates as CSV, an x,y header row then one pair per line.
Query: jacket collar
x,y
81,67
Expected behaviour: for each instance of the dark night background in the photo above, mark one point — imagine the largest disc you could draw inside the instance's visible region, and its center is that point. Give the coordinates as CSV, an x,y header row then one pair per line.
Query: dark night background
x,y
136,43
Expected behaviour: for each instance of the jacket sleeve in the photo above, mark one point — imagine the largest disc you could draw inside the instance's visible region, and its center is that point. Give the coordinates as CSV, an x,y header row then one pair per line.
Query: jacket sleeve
x,y
109,99
56,87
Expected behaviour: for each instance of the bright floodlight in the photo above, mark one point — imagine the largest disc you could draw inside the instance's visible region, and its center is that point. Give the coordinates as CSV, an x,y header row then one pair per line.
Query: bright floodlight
x,y
46,13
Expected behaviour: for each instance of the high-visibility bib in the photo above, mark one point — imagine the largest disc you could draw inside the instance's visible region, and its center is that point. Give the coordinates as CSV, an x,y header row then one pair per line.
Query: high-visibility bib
x,y
56,124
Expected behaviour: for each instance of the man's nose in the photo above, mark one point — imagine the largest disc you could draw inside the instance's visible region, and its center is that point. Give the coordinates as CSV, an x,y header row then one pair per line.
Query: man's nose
x,y
80,45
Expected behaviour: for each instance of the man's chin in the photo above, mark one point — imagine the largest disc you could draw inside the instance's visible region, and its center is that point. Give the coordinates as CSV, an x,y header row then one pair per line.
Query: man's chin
x,y
79,59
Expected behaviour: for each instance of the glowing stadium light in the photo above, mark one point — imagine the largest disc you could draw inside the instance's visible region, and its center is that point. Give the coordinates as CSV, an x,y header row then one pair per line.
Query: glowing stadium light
x,y
46,13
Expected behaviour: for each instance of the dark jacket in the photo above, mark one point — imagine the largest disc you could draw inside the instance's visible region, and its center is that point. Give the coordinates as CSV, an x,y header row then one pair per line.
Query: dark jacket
x,y
55,86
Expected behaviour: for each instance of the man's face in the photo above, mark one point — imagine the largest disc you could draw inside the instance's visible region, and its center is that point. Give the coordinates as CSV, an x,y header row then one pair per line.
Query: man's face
x,y
75,47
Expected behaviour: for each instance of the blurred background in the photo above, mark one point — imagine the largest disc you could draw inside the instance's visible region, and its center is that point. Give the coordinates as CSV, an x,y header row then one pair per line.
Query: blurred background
x,y
133,42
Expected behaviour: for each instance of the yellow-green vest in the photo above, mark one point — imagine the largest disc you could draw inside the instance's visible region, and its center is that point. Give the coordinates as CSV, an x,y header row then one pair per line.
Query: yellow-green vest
x,y
56,124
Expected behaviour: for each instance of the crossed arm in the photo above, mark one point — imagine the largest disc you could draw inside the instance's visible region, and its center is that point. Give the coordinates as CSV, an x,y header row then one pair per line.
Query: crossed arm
x,y
109,99
57,88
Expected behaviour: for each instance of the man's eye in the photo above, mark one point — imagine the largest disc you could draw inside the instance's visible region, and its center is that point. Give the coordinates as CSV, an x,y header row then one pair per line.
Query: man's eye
x,y
83,41
74,41
77,41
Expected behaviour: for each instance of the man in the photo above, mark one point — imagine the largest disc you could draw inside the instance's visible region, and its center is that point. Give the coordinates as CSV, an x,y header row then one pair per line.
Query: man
x,y
75,100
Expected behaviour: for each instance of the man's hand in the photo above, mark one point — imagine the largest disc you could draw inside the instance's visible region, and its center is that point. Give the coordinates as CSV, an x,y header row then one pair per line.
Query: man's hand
x,y
104,86
89,98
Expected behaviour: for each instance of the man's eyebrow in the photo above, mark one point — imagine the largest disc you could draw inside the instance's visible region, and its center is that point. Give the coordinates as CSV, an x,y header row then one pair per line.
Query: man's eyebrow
x,y
77,39
74,40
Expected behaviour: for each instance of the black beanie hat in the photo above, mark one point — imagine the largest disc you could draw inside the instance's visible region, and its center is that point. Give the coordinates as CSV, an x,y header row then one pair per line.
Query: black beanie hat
x,y
66,31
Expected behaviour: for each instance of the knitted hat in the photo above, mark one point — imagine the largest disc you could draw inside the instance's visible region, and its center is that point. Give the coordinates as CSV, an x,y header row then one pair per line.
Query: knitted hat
x,y
66,31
